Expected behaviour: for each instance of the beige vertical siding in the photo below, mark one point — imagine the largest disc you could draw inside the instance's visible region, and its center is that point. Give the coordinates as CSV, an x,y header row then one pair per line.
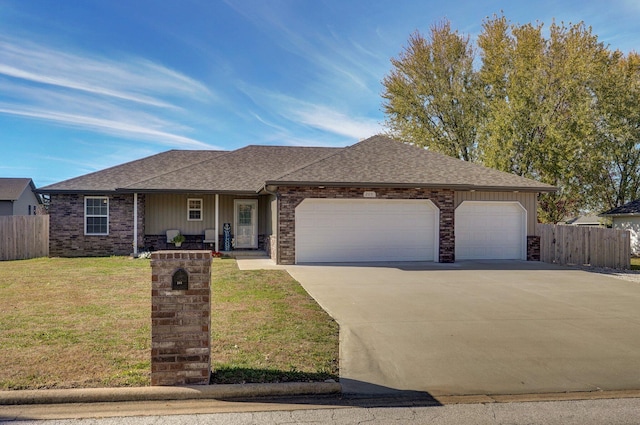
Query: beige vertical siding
x,y
169,211
526,199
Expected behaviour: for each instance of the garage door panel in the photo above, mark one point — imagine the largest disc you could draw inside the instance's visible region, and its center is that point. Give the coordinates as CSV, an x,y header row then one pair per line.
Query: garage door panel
x,y
490,230
340,230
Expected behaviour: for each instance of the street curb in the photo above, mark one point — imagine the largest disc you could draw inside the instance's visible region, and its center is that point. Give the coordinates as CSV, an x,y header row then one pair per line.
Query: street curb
x,y
222,391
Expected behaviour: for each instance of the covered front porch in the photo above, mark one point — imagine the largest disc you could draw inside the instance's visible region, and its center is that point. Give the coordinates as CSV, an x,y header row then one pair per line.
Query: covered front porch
x,y
214,221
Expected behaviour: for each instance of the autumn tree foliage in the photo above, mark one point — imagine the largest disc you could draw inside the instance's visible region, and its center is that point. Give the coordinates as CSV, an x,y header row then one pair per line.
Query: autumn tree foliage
x,y
554,105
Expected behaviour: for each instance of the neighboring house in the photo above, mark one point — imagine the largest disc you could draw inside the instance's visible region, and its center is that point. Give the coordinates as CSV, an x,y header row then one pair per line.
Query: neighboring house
x,y
586,220
378,200
627,217
18,197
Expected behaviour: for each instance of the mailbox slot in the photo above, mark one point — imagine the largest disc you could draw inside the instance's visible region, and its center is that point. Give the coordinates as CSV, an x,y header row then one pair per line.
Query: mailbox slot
x,y
180,280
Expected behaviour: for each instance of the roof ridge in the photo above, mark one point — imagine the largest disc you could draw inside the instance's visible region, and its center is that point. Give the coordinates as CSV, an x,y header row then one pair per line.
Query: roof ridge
x,y
338,150
191,164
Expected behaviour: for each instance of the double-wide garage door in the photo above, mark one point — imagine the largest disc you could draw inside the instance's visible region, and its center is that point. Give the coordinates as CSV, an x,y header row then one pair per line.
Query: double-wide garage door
x,y
361,230
490,231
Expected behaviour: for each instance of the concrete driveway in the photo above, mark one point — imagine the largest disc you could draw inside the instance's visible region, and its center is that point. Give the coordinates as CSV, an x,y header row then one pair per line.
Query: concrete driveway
x,y
506,327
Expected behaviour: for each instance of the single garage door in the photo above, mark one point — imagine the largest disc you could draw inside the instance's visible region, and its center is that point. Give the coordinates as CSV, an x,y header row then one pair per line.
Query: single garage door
x,y
490,231
359,230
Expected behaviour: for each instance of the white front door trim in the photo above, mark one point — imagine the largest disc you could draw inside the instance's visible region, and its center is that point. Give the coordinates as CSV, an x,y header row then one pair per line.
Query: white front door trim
x,y
245,226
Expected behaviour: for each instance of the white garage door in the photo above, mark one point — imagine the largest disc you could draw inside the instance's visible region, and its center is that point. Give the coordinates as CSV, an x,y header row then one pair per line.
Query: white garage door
x,y
490,230
357,230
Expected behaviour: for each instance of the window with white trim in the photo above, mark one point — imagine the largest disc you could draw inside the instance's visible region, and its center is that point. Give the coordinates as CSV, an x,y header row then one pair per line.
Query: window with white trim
x,y
194,209
96,215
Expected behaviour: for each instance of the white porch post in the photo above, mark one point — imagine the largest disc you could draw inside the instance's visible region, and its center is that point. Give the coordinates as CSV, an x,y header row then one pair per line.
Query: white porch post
x,y
217,241
135,224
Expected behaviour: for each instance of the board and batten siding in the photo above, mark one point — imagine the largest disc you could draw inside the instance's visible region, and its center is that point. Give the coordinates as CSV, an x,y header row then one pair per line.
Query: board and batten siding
x,y
526,199
169,211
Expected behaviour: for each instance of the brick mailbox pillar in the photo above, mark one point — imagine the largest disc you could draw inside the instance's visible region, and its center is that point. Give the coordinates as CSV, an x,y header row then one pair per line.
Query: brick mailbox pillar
x,y
180,317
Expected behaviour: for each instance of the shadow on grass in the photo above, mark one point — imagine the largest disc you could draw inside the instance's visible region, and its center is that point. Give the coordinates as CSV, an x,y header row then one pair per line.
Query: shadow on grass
x,y
240,375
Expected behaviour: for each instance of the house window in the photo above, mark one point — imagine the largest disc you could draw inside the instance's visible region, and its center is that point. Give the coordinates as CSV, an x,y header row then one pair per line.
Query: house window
x,y
96,215
194,209
245,216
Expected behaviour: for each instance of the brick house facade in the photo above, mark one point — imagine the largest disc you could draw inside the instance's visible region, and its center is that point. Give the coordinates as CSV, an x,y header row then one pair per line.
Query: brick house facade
x,y
198,192
66,235
290,197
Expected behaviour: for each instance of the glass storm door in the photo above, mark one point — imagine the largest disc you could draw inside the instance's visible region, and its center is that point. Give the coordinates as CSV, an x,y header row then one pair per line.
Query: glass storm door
x,y
246,223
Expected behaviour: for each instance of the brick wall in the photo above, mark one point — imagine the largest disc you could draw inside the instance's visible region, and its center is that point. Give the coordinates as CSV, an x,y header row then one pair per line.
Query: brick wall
x,y
290,197
533,248
180,319
67,238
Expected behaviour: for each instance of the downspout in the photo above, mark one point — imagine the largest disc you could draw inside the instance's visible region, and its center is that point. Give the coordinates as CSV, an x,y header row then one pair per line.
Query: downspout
x,y
217,213
135,224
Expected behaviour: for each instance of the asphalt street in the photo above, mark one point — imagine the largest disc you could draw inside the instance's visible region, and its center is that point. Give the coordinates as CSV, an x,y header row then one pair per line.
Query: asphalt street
x,y
620,411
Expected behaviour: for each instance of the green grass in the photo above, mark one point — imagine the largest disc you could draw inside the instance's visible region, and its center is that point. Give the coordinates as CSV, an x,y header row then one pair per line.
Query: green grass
x,y
68,323
635,263
266,328
85,322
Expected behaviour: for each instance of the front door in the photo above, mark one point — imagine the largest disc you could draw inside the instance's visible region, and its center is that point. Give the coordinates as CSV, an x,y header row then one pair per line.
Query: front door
x,y
246,223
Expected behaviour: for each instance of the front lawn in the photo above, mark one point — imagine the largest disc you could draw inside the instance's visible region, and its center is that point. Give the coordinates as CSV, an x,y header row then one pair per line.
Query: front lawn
x,y
85,322
266,328
635,263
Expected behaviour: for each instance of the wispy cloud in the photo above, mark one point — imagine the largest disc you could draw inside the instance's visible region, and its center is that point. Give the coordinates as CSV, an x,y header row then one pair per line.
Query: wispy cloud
x,y
108,126
296,112
132,98
325,118
133,79
335,58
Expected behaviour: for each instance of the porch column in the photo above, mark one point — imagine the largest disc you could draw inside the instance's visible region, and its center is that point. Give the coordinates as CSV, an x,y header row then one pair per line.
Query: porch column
x,y
135,223
217,241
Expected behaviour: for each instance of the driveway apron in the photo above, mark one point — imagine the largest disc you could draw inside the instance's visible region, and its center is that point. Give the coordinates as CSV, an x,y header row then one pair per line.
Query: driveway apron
x,y
493,327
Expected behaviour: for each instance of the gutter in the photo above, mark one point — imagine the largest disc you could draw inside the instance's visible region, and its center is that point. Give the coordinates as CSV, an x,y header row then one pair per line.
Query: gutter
x,y
458,187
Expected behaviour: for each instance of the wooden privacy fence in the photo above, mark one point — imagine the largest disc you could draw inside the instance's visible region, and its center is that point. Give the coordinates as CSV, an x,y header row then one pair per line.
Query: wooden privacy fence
x,y
580,245
23,237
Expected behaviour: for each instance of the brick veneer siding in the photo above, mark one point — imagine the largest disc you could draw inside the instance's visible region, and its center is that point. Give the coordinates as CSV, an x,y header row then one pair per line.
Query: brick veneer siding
x,y
533,248
290,197
66,231
180,319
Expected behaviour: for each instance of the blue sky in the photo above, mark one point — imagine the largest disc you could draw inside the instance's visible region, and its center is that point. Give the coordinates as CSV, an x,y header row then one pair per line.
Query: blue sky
x,y
88,84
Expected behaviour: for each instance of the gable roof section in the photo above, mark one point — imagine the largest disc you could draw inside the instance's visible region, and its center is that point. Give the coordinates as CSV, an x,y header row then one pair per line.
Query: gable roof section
x,y
11,188
381,161
110,179
630,208
242,170
377,161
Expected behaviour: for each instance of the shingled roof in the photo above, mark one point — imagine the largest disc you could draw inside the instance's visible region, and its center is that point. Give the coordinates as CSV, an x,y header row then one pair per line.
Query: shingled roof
x,y
242,170
381,161
630,208
377,161
108,180
11,188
